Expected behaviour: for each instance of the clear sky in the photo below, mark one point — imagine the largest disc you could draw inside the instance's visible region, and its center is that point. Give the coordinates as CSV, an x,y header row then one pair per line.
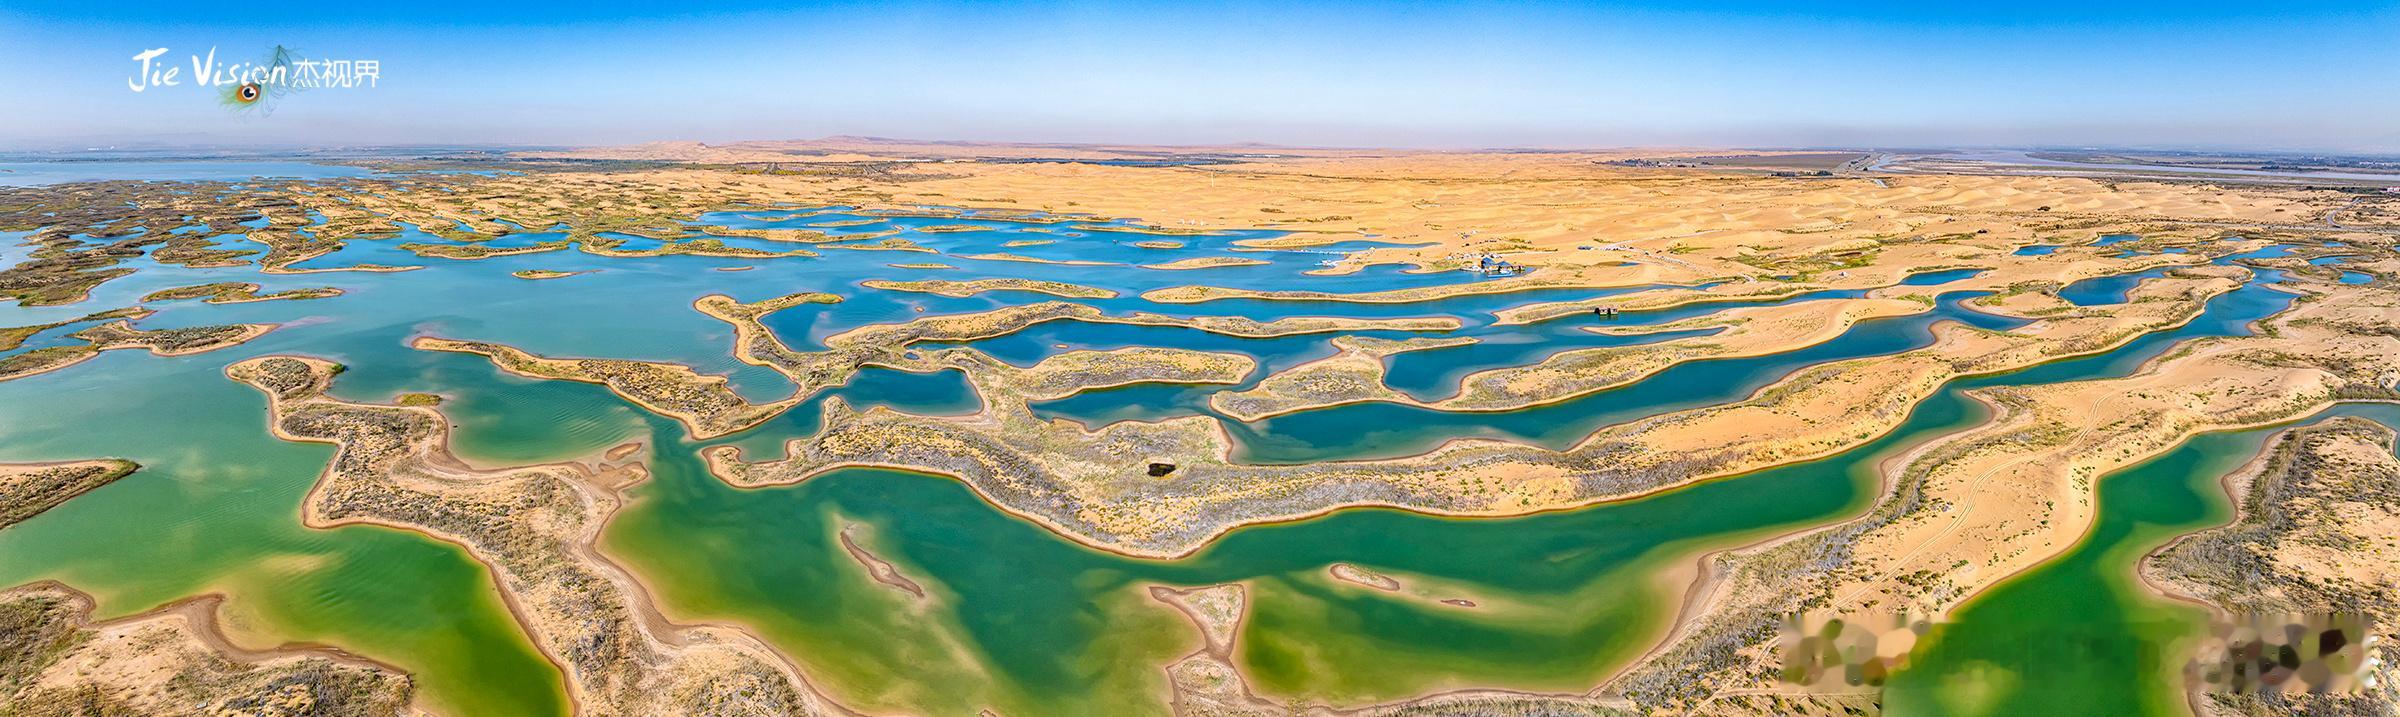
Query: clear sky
x,y
2292,75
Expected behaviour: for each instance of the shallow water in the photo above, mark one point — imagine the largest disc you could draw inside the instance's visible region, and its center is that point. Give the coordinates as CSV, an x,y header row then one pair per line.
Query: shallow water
x,y
1019,619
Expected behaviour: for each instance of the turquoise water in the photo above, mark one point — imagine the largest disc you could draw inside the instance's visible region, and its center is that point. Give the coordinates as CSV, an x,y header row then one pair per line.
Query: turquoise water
x,y
2347,277
1433,374
1018,619
1401,429
2118,288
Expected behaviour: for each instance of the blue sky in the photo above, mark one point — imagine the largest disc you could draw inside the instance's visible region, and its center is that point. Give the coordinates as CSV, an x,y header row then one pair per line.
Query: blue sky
x,y
2293,75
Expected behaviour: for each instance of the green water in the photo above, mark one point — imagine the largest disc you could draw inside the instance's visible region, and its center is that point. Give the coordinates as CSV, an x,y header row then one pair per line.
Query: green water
x,y
1017,619
2079,634
217,509
1563,597
1048,625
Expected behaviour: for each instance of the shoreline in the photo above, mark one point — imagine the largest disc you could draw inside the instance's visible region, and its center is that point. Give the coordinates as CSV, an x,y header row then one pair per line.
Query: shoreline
x,y
1225,655
252,332
202,612
2255,341
1201,294
641,600
1800,530
111,471
712,457
1700,600
1452,403
2149,367
501,356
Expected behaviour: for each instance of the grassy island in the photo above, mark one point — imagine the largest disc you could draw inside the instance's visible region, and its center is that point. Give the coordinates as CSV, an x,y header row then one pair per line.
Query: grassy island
x,y
538,274
963,289
237,292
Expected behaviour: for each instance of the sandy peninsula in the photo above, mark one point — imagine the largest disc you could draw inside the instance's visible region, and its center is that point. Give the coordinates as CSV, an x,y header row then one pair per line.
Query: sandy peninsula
x,y
2317,515
173,660
706,405
27,489
534,527
120,334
